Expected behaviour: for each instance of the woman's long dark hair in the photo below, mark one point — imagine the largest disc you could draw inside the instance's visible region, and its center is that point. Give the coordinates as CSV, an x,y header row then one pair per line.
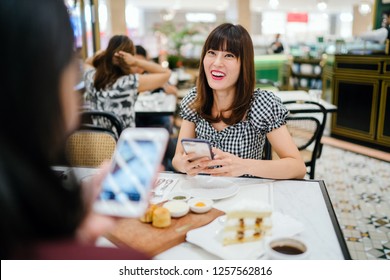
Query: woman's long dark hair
x,y
36,47
108,68
234,39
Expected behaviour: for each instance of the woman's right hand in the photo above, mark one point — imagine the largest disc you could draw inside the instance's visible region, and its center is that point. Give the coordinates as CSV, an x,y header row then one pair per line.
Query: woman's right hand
x,y
193,165
94,225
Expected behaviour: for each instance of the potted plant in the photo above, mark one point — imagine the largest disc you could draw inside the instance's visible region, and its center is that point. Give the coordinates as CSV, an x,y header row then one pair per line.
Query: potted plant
x,y
177,38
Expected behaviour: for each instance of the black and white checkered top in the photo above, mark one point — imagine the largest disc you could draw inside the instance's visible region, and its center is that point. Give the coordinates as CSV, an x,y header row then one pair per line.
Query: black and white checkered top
x,y
246,138
119,98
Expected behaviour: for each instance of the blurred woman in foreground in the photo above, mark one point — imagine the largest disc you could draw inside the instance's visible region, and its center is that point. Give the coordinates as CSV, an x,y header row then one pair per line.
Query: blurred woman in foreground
x,y
43,217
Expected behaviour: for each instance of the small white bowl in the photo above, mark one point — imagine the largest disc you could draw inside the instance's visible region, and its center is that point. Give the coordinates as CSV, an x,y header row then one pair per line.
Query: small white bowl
x,y
195,206
177,208
179,196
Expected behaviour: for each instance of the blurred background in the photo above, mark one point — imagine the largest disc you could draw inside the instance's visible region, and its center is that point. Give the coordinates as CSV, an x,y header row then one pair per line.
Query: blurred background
x,y
174,26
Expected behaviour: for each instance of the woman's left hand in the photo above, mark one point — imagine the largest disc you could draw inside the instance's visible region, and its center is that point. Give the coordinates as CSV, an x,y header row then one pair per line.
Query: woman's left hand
x,y
227,164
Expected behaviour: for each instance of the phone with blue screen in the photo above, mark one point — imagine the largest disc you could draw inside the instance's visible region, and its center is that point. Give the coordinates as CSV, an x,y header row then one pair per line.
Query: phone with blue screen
x,y
125,190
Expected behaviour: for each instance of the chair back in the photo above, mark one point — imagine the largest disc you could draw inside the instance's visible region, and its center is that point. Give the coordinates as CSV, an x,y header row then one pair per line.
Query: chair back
x,y
306,124
103,121
267,150
89,148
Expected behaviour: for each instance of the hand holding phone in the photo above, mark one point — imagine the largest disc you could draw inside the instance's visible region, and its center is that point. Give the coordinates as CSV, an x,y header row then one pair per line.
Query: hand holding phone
x,y
138,155
201,148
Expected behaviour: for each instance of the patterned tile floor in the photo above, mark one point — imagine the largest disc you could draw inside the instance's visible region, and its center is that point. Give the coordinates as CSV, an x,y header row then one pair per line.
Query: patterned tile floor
x,y
359,188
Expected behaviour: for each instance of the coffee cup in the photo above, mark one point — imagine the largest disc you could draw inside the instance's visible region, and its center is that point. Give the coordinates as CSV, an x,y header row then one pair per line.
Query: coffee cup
x,y
287,248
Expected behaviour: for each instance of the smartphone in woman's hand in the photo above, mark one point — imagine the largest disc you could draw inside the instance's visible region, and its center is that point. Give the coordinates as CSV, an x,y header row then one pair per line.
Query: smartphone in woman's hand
x,y
201,147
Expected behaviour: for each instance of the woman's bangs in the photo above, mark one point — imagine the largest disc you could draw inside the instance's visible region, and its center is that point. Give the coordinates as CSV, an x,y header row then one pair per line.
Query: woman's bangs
x,y
222,42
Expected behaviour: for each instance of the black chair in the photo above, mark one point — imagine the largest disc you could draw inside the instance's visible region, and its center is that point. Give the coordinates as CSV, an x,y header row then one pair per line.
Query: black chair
x,y
101,121
306,124
267,150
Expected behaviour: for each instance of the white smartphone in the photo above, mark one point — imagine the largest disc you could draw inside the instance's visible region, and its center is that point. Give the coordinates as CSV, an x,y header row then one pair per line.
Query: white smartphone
x,y
138,155
200,147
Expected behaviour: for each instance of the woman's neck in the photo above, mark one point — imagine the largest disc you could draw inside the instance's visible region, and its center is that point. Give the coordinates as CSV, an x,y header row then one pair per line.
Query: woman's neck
x,y
223,99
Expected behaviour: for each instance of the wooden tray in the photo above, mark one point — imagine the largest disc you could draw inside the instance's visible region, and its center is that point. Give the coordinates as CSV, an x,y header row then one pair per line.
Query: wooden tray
x,y
144,237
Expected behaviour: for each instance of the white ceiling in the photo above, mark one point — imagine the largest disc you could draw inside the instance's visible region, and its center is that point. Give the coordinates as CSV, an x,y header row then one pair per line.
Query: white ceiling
x,y
334,6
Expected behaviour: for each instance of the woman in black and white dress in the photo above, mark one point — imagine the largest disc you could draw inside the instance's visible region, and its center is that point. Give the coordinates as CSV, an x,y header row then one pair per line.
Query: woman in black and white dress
x,y
112,84
225,109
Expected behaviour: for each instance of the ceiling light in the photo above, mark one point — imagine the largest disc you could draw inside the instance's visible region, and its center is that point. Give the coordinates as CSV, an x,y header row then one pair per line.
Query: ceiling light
x,y
364,8
322,5
346,17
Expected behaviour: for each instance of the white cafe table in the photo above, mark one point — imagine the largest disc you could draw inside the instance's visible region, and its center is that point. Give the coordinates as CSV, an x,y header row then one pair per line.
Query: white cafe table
x,y
155,104
306,201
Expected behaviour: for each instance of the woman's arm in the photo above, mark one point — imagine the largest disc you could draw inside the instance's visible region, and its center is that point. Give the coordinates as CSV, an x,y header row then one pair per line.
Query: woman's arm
x,y
157,75
170,89
290,165
181,161
379,35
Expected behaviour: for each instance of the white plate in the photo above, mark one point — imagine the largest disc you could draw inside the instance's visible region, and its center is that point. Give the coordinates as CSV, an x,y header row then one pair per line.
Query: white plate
x,y
211,188
209,238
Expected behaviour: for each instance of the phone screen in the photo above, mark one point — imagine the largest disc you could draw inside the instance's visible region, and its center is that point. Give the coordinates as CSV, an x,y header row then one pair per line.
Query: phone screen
x,y
126,188
200,147
130,179
134,168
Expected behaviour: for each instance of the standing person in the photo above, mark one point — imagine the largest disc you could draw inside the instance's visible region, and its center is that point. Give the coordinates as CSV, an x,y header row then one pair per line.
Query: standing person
x,y
225,109
43,217
276,45
113,86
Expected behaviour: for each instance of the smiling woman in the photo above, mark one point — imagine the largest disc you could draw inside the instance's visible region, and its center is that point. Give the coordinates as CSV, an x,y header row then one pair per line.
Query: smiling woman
x,y
226,110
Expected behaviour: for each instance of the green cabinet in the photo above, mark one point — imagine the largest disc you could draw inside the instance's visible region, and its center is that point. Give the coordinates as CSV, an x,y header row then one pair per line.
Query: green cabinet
x,y
272,67
361,92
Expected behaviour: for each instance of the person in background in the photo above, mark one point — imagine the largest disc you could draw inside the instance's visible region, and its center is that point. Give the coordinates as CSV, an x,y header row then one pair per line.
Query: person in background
x,y
379,35
225,109
111,84
157,121
153,121
44,217
276,46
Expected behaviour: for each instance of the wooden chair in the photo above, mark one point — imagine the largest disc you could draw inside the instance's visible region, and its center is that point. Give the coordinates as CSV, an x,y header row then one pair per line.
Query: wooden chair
x,y
95,140
89,148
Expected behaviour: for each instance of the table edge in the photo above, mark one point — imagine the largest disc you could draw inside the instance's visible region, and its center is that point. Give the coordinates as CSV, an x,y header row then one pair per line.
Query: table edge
x,y
333,218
